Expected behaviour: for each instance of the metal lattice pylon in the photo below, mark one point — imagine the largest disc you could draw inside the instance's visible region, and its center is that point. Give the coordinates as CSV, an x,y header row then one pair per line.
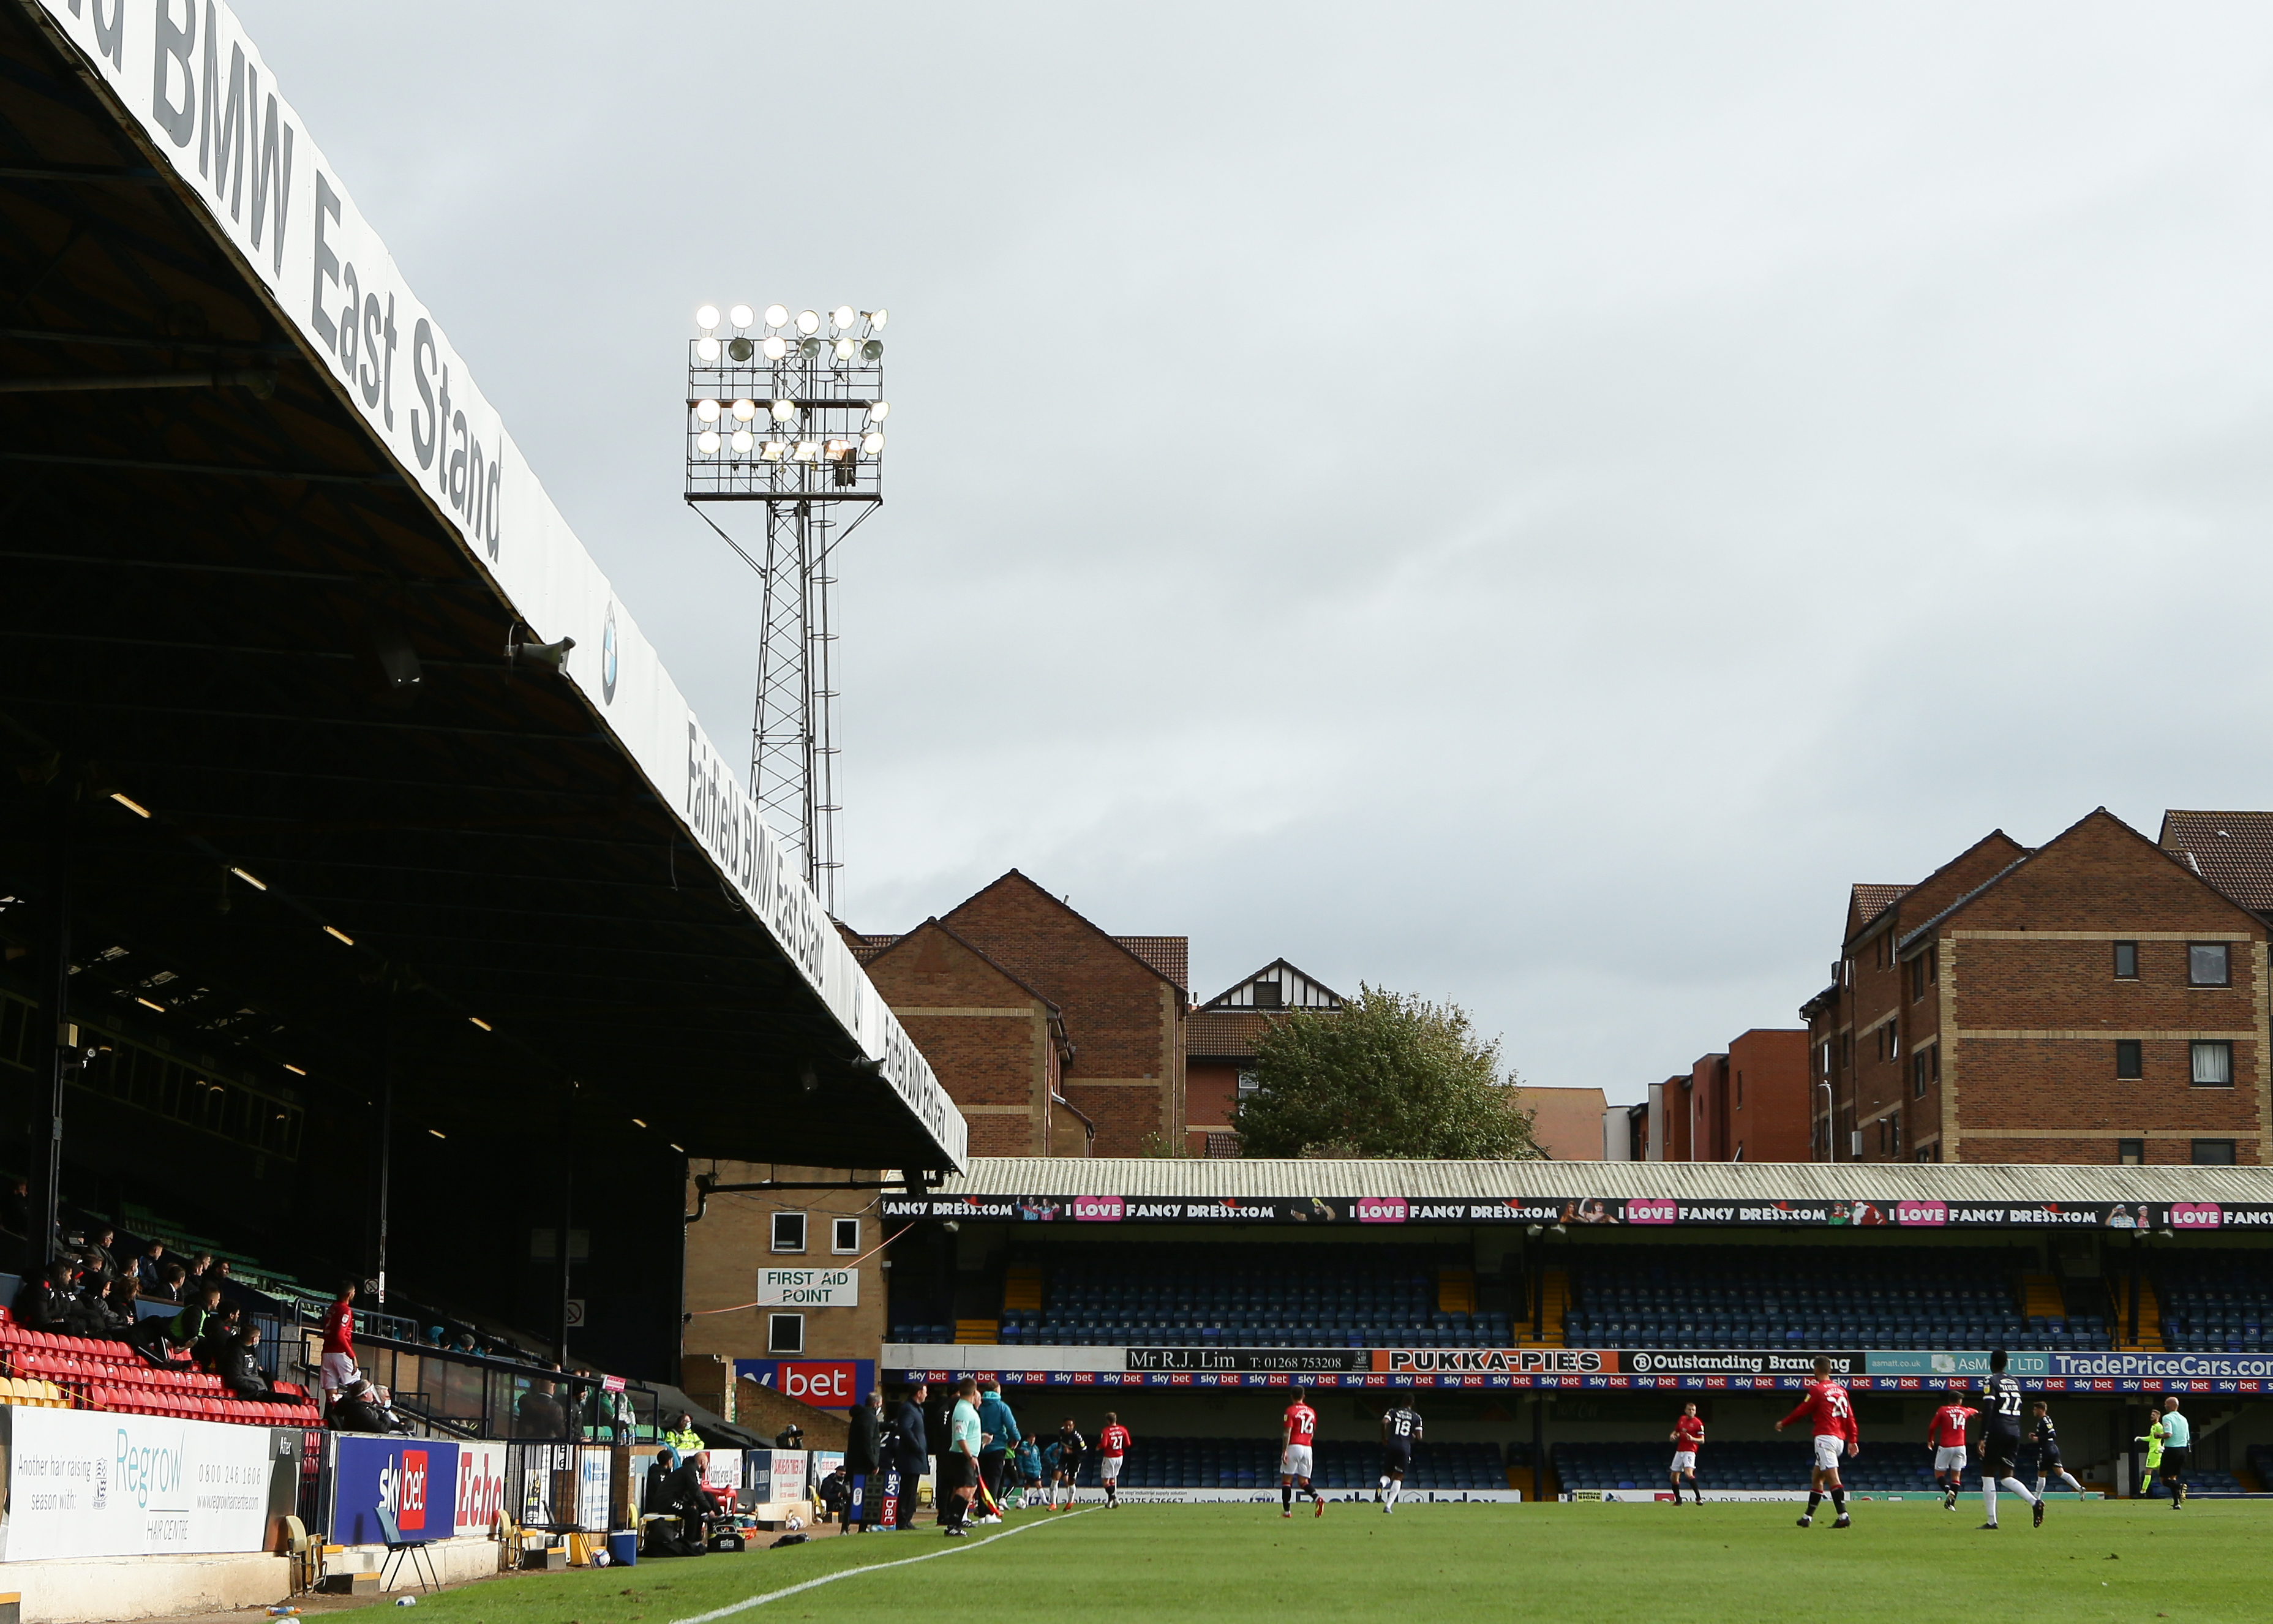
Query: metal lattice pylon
x,y
793,734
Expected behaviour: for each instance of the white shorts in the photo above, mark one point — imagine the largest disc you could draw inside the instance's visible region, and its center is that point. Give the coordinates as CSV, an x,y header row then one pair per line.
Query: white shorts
x,y
1827,1449
1684,1460
1295,1462
337,1371
1108,1468
1949,1460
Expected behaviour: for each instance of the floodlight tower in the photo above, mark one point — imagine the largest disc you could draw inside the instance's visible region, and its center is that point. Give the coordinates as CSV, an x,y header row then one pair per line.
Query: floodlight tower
x,y
790,412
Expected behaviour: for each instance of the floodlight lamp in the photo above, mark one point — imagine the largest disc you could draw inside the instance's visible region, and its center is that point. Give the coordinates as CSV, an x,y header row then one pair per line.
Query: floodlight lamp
x,y
844,349
842,316
707,442
743,410
776,316
872,350
873,444
742,442
808,321
840,448
878,410
807,450
707,317
784,411
810,349
707,348
876,320
774,451
708,410
776,346
741,349
740,315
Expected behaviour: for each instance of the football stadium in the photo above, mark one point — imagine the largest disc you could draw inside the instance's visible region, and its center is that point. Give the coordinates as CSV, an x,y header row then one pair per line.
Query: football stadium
x,y
382,931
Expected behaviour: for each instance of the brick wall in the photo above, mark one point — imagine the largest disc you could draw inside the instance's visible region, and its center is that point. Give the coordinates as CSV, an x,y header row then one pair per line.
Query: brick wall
x,y
1768,1105
989,1040
1125,1019
734,1240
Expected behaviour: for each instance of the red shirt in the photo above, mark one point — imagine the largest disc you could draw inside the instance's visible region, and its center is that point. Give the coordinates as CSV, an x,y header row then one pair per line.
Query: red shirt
x,y
1832,1411
1948,1425
338,1329
1689,1433
1114,1440
1302,1424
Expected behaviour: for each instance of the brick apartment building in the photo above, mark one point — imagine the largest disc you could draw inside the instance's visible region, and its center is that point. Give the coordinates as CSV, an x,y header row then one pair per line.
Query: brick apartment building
x,y
2096,999
1219,1047
1051,1036
1748,1104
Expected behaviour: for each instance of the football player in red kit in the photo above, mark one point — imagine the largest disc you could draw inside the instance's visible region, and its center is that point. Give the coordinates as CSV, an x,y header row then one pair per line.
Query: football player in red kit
x,y
1298,1431
1833,1412
1947,1434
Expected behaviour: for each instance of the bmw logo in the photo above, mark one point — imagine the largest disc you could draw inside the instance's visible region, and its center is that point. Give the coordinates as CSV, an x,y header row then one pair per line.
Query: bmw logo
x,y
608,657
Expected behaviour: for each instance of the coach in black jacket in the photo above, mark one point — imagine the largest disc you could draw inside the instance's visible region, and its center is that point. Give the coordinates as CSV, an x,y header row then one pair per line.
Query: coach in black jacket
x,y
862,1458
914,1452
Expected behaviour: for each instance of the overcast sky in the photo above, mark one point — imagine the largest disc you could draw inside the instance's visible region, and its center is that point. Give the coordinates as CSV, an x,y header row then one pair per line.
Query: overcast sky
x,y
1519,503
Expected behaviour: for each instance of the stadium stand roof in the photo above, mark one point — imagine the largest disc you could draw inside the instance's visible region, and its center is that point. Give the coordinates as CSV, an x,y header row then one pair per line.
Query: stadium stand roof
x,y
267,548
1989,1184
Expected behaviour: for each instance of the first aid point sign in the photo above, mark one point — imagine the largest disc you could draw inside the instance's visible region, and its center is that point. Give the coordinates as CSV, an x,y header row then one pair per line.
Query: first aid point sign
x,y
808,1288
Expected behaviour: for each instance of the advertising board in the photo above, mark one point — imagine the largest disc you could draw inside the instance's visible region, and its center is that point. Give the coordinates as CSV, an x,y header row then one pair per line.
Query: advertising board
x,y
88,1483
825,1383
481,1487
415,1479
808,1288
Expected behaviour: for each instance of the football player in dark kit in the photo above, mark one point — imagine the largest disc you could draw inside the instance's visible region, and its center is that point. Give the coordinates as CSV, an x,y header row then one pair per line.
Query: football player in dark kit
x,y
2048,1454
2000,1440
1400,1430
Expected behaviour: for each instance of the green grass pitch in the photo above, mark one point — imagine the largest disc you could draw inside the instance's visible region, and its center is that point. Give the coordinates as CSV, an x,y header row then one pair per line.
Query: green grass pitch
x,y
1906,1562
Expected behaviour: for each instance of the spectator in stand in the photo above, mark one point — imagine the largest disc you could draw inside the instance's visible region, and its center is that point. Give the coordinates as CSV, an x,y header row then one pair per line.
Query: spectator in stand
x,y
434,1334
911,1452
173,1285
150,1267
100,1263
539,1415
44,1300
198,1267
16,1208
240,1368
339,1363
683,1437
218,1340
89,1317
188,1327
358,1407
118,1307
466,1342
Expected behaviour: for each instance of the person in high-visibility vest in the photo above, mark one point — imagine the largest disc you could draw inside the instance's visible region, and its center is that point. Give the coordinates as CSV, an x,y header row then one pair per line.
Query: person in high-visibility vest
x,y
2153,1439
683,1437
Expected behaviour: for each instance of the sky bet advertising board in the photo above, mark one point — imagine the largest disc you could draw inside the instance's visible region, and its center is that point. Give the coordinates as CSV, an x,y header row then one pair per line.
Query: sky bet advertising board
x,y
415,1479
825,1383
2197,1217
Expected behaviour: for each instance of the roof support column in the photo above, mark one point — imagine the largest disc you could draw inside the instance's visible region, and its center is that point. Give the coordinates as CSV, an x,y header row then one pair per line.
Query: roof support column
x,y
43,1195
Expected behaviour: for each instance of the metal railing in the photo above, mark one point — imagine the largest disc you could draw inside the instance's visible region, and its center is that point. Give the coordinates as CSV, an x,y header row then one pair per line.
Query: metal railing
x,y
475,1395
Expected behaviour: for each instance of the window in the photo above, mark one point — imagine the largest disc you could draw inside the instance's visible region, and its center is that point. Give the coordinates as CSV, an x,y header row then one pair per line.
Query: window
x,y
2213,1152
1248,1085
1740,1091
2206,965
1270,995
843,1235
789,1231
1893,1044
2213,1065
784,1332
1923,972
1928,1153
2130,1065
2131,1153
1890,1134
1917,1077
2127,961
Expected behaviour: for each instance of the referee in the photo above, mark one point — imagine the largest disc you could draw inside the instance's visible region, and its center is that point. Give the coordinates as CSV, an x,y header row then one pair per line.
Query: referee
x,y
2177,1446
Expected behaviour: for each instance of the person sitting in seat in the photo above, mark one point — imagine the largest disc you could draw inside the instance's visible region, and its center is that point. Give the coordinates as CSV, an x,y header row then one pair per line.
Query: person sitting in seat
x,y
683,1437
218,1340
43,1300
186,1328
97,1261
240,1370
150,1267
359,1407
682,1494
172,1286
87,1317
118,1307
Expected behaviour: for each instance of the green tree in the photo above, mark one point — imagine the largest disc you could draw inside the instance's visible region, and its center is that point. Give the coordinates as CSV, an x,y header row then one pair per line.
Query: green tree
x,y
1388,1075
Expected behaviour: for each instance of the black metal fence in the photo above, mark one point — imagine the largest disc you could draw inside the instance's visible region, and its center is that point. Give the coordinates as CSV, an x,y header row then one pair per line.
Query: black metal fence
x,y
473,1396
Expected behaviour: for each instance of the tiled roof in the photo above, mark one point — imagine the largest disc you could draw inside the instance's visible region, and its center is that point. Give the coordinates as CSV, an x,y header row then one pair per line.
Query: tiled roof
x,y
1171,956
1222,1034
1969,1183
2233,850
865,946
1873,900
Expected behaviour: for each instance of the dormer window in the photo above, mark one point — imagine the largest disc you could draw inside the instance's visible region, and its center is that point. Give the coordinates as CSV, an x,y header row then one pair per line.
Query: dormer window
x,y
1269,996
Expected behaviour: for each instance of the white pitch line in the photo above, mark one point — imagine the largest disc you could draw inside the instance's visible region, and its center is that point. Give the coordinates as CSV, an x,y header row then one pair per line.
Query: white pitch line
x,y
867,1567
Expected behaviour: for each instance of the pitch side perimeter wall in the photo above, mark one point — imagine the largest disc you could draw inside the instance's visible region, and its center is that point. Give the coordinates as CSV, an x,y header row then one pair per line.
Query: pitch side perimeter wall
x,y
185,75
